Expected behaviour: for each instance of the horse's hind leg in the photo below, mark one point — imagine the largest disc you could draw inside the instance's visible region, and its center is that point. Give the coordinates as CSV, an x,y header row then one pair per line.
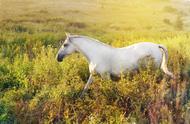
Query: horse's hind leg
x,y
115,77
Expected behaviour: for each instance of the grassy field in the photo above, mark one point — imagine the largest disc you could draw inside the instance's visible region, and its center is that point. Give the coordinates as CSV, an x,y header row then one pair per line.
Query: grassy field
x,y
35,88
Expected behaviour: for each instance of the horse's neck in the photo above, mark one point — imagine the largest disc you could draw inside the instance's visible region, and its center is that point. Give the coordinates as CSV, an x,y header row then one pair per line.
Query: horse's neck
x,y
92,50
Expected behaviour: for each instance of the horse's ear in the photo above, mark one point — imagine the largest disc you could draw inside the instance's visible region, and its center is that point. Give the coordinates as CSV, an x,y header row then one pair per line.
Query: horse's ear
x,y
67,34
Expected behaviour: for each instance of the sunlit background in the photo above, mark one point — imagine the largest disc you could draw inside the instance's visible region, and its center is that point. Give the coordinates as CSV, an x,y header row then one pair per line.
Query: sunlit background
x,y
112,15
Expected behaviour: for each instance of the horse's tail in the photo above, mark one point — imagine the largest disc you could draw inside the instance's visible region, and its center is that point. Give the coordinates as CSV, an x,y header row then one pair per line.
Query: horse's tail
x,y
164,61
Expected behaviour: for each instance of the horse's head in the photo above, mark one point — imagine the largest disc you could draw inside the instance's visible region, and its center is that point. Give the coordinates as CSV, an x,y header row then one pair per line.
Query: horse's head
x,y
66,48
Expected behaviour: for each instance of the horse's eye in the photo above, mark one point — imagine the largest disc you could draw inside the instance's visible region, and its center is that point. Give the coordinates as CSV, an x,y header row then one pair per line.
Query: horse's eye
x,y
65,45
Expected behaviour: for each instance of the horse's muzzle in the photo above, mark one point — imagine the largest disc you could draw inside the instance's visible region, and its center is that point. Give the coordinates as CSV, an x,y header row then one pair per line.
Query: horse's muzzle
x,y
60,57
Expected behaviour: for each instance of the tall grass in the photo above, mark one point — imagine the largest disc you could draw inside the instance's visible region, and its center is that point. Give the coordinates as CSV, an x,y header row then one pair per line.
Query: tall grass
x,y
37,89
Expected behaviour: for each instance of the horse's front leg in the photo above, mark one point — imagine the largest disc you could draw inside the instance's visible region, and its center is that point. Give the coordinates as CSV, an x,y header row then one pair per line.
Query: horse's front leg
x,y
92,70
87,84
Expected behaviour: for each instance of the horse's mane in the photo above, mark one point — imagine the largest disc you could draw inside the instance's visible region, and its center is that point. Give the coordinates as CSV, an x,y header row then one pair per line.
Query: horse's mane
x,y
89,38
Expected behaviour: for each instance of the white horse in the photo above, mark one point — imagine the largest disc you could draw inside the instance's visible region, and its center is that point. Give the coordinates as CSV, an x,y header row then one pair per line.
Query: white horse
x,y
107,61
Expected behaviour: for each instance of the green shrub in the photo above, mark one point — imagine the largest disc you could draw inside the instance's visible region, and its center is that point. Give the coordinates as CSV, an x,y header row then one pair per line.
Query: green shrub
x,y
179,23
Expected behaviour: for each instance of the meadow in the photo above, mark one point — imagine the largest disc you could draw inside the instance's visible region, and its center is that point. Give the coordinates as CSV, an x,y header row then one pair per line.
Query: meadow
x,y
35,88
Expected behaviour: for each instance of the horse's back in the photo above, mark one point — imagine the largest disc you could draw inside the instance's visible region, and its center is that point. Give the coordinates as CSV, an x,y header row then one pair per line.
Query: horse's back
x,y
140,50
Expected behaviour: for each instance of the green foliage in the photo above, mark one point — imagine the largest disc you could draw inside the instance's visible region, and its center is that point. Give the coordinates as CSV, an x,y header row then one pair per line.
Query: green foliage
x,y
42,90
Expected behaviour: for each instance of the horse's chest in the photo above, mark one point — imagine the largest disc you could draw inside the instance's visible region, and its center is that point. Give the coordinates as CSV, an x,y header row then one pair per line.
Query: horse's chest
x,y
102,67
